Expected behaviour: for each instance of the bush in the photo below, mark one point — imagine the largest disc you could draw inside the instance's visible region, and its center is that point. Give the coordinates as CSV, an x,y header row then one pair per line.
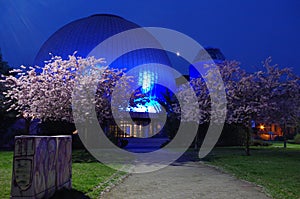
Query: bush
x,y
7,132
260,143
51,128
232,135
297,138
279,138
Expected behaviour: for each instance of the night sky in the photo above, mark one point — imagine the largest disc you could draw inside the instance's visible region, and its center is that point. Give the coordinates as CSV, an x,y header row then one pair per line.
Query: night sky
x,y
245,31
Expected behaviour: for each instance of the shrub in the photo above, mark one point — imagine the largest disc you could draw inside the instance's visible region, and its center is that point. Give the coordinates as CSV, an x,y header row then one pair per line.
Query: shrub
x,y
260,143
279,138
232,135
297,138
56,128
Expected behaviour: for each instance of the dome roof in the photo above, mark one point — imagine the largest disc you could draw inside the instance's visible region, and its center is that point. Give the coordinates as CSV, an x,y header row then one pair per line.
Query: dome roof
x,y
83,35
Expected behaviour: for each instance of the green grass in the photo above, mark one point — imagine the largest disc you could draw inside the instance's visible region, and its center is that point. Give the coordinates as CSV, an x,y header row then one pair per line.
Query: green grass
x,y
5,173
289,145
273,167
88,176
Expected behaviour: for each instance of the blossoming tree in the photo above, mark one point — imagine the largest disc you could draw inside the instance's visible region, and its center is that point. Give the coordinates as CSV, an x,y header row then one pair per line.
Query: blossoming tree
x,y
46,93
245,103
268,95
282,88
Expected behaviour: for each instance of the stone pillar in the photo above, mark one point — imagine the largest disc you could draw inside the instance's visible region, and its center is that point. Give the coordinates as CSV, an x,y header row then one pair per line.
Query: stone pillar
x,y
41,165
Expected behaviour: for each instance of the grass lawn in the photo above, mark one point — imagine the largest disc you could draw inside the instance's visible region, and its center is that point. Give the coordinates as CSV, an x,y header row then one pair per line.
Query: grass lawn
x,y
289,146
273,167
88,176
5,173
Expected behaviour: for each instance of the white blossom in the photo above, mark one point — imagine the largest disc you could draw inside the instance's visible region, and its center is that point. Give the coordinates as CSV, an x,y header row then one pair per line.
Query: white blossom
x,y
47,94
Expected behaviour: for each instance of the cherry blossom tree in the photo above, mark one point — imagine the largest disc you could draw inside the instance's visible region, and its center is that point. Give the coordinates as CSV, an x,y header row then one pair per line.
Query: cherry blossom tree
x,y
204,87
268,95
282,88
46,93
245,102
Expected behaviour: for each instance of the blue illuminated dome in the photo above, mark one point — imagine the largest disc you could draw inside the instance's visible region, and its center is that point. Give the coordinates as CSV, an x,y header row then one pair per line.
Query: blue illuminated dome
x,y
83,35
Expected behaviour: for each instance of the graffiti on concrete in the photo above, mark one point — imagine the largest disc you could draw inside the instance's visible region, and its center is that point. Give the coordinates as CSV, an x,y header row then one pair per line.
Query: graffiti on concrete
x,y
42,165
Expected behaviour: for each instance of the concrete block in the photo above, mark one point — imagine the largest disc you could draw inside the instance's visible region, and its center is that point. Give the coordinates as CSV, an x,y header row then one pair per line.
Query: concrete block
x,y
41,166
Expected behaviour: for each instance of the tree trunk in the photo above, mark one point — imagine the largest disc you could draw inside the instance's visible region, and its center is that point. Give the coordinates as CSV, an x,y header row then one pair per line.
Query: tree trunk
x,y
27,125
247,149
284,135
196,142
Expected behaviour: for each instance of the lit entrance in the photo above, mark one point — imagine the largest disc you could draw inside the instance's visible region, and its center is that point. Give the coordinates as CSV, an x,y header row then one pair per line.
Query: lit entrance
x,y
141,128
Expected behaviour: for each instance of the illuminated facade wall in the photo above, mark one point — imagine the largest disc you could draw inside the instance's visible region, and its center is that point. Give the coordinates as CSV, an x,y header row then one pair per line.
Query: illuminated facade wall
x,y
128,129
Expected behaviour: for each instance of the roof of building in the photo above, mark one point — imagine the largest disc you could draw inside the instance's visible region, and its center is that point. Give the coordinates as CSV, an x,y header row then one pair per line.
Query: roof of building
x,y
84,34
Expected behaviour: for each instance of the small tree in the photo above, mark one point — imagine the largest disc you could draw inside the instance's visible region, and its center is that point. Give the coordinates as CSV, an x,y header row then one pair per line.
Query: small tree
x,y
205,87
282,88
4,67
6,118
4,70
268,95
245,102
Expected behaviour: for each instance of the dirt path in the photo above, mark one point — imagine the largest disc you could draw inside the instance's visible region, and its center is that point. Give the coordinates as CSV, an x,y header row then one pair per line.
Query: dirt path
x,y
188,180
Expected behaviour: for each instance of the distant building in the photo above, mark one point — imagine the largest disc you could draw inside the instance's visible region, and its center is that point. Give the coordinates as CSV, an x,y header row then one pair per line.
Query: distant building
x,y
274,131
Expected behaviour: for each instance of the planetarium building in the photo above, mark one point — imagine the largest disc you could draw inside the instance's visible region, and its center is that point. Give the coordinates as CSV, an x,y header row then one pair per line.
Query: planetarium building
x,y
84,35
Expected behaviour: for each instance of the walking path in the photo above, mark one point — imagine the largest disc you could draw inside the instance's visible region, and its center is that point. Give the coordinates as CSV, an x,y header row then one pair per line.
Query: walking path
x,y
185,180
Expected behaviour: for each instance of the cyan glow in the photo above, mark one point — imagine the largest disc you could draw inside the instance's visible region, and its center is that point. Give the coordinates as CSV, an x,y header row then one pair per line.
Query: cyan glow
x,y
149,107
150,79
147,80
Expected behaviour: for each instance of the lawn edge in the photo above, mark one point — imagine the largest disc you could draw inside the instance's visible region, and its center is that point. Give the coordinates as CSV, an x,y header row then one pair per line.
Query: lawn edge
x,y
112,182
222,170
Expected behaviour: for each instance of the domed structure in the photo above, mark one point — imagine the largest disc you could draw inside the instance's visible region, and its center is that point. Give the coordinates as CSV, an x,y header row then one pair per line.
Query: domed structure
x,y
83,35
